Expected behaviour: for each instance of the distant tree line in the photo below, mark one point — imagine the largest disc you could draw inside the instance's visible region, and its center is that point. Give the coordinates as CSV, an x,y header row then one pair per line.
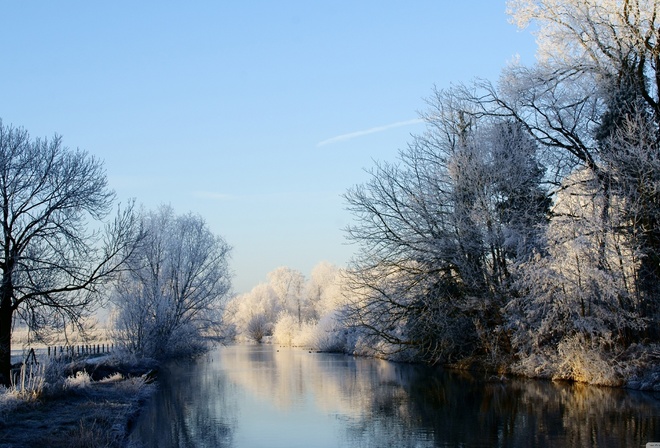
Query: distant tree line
x,y
289,309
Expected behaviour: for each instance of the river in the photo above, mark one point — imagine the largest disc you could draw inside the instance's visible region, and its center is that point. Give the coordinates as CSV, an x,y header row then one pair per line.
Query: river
x,y
251,396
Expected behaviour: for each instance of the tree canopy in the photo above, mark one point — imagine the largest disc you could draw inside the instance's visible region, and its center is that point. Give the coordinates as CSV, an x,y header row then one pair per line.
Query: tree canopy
x,y
58,247
523,227
171,297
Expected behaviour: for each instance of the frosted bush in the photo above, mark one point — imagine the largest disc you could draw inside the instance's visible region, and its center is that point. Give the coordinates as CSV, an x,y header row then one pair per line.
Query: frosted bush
x,y
585,362
289,332
115,377
536,365
133,385
364,346
285,329
258,327
253,314
80,380
329,334
306,336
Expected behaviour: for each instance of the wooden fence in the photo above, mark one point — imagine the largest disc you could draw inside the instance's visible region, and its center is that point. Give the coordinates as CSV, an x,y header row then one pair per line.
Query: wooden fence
x,y
79,350
64,352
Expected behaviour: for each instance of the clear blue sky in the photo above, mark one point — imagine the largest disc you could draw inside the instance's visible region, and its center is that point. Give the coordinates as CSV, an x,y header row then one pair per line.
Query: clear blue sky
x,y
258,115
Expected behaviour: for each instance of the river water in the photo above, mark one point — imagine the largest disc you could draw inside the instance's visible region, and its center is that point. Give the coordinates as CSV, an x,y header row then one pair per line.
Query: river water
x,y
251,396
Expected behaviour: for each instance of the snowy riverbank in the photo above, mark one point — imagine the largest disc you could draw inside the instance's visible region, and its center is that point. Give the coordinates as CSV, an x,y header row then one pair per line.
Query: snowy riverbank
x,y
77,404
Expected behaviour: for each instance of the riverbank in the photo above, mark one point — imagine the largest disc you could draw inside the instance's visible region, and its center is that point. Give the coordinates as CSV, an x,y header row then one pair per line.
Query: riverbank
x,y
643,377
92,404
637,368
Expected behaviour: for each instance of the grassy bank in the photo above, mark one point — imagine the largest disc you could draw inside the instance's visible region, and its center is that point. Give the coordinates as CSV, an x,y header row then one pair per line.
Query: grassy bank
x,y
88,403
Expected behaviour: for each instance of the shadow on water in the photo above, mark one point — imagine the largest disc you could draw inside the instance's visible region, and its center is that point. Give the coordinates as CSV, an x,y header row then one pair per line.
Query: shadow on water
x,y
257,396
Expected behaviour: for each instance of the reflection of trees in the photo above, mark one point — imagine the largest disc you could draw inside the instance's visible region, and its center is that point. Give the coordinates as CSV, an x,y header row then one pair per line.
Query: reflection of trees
x,y
389,404
336,383
461,410
378,403
191,408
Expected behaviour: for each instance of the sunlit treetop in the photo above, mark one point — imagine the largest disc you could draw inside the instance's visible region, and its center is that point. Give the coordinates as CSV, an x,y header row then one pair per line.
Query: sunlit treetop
x,y
591,31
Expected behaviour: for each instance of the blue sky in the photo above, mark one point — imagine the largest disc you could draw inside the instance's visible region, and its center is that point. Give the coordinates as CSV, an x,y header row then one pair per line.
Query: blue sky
x,y
257,115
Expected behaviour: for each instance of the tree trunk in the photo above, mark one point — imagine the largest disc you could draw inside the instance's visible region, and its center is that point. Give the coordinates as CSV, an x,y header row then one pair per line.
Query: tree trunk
x,y
6,313
649,277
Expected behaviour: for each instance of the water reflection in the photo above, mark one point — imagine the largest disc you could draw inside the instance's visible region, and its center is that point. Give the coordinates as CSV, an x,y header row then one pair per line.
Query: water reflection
x,y
259,396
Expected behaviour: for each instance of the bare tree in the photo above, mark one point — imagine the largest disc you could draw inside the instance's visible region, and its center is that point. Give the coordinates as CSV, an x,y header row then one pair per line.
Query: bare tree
x,y
437,229
52,264
172,296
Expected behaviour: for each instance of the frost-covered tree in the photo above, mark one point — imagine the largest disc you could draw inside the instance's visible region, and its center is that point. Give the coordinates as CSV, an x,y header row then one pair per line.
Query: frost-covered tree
x,y
613,40
290,307
459,243
288,284
594,102
630,153
172,296
56,255
520,199
323,290
253,314
583,286
437,230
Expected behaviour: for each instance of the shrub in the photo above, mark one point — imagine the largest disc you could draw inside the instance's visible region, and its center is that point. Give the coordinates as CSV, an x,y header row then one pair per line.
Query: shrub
x,y
258,327
585,362
80,380
285,329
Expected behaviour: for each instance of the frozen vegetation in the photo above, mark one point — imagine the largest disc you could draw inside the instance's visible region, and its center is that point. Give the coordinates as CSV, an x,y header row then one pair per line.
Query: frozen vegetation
x,y
165,303
63,403
168,302
521,232
293,311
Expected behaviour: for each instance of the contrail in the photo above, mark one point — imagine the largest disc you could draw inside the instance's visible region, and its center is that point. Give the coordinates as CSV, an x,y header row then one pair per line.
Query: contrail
x,y
352,135
212,195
